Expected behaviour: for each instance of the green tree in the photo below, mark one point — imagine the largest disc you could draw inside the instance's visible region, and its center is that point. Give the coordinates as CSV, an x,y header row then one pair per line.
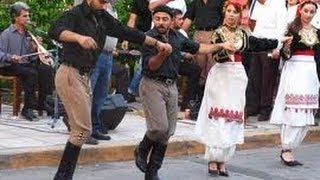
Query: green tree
x,y
43,12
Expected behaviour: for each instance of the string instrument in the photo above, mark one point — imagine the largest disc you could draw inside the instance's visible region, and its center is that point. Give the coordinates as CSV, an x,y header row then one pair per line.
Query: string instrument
x,y
25,58
43,54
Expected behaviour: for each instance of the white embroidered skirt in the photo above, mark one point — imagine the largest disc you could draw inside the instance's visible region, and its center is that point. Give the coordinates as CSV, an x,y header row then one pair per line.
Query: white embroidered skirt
x,y
297,96
220,119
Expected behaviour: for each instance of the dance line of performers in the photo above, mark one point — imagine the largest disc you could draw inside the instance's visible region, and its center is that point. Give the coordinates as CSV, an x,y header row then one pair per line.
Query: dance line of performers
x,y
220,124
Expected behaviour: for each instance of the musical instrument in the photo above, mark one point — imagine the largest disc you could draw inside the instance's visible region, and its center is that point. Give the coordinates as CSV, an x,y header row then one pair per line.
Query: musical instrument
x,y
43,54
25,61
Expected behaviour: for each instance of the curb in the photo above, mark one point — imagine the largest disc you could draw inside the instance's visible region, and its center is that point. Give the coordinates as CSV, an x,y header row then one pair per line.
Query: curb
x,y
123,151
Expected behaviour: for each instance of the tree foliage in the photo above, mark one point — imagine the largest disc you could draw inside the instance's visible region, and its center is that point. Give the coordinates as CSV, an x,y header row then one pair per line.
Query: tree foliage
x,y
43,12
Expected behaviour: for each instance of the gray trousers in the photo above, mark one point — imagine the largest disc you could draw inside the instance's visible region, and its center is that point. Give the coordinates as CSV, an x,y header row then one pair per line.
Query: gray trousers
x,y
160,102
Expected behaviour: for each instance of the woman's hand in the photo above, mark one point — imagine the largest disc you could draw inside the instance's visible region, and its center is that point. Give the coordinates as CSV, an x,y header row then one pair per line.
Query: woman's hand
x,y
229,47
287,40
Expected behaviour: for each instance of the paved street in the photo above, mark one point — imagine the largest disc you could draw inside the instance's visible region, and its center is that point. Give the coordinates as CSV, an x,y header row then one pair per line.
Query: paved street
x,y
255,164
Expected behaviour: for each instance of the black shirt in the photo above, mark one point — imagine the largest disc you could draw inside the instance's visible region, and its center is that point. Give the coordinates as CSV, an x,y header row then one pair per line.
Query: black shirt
x,y
141,9
96,24
205,15
170,66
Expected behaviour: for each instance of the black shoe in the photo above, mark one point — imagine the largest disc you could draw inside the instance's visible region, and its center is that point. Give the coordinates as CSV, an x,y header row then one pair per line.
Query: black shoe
x,y
32,114
224,173
91,141
130,98
141,153
99,136
46,107
104,131
25,114
289,163
29,115
155,161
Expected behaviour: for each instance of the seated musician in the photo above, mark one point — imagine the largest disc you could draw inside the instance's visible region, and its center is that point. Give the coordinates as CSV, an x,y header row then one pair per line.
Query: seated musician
x,y
15,44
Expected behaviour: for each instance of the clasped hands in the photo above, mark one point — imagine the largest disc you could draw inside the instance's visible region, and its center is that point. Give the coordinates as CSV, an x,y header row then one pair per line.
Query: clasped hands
x,y
286,40
164,48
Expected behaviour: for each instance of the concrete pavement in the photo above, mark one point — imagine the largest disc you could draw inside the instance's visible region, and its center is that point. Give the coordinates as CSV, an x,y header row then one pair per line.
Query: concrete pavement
x,y
253,164
26,144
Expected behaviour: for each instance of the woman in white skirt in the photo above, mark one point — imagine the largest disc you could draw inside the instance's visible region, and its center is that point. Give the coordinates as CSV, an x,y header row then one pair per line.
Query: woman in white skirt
x,y
220,121
297,97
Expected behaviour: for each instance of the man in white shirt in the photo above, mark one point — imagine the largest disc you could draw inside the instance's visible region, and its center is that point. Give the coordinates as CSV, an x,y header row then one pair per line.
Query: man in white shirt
x,y
292,11
270,18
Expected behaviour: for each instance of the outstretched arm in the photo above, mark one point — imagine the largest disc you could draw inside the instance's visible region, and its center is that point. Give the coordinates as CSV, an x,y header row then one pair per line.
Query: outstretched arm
x,y
131,23
155,3
262,44
213,48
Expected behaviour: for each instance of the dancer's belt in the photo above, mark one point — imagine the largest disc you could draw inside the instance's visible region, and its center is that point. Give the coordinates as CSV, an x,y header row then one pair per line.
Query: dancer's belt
x,y
82,70
307,52
168,81
237,57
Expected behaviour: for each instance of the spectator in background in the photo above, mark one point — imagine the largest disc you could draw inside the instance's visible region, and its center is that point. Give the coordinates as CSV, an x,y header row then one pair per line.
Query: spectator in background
x,y
121,77
100,80
270,22
15,42
292,6
245,17
246,24
187,66
290,3
206,16
140,17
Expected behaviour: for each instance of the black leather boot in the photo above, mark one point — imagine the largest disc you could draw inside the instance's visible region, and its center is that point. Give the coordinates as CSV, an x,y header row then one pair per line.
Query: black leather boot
x,y
155,161
141,153
68,162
